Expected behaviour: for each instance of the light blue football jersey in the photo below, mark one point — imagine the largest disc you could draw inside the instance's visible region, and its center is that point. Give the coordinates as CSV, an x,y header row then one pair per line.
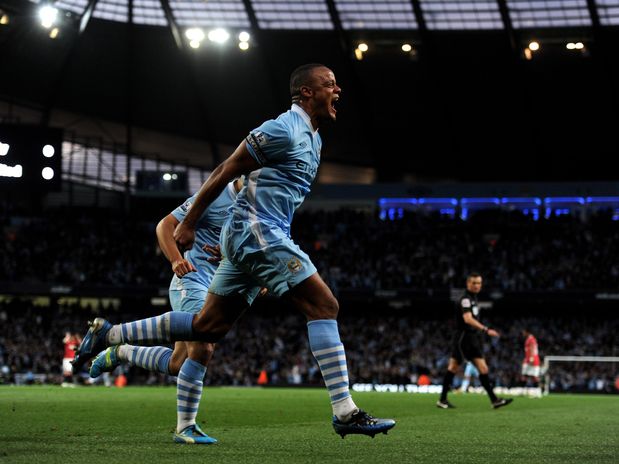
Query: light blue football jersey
x,y
208,229
288,150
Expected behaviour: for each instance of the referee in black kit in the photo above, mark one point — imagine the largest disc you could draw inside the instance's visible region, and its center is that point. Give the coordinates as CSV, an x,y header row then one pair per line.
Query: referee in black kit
x,y
467,343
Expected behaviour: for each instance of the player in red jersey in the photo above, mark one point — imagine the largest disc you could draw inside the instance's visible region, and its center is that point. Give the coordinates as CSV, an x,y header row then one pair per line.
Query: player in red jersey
x,y
531,363
71,342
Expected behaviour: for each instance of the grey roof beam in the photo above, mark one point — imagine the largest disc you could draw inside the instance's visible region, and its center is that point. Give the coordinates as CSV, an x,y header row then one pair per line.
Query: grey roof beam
x,y
169,15
509,27
90,8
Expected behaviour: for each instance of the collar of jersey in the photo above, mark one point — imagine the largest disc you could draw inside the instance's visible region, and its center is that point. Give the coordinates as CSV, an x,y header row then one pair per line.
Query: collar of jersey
x,y
297,109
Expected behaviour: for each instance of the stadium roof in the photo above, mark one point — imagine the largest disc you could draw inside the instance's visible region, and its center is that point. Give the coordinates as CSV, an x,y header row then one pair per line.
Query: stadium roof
x,y
353,14
445,89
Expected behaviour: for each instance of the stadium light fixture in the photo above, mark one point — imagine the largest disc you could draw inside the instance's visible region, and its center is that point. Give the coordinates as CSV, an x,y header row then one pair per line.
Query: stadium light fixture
x,y
167,177
406,48
47,173
358,54
244,36
48,15
534,46
571,46
48,151
579,45
528,54
363,47
218,35
244,46
4,19
195,33
54,33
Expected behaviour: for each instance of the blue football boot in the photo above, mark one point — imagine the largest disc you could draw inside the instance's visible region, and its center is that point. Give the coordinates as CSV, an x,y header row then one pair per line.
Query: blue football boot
x,y
193,435
93,342
106,361
362,423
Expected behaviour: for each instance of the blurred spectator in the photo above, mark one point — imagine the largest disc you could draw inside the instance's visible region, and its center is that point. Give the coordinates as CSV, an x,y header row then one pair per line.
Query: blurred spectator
x,y
384,348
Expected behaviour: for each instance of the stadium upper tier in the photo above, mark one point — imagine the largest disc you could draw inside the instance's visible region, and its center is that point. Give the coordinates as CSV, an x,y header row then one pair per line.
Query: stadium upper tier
x,y
353,251
354,14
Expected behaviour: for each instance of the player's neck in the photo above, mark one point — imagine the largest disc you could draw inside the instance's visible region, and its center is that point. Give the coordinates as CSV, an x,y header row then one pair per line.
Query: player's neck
x,y
314,120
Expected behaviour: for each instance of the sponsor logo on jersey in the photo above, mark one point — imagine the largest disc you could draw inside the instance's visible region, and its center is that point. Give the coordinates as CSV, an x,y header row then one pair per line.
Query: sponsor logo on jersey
x,y
294,265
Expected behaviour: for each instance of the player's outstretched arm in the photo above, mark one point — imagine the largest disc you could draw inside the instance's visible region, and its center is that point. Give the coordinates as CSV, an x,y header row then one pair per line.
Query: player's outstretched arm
x,y
165,237
240,162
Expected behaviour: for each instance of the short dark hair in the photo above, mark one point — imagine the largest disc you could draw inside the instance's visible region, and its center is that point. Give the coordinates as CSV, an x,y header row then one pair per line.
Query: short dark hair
x,y
300,77
473,275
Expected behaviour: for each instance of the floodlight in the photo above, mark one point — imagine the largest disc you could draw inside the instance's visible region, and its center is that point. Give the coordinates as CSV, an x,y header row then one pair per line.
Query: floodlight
x,y
244,45
363,47
244,37
48,15
407,47
47,173
195,34
218,35
167,176
48,151
534,46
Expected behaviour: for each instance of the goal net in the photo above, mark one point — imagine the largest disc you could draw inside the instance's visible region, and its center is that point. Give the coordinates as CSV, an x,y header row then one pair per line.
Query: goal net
x,y
586,373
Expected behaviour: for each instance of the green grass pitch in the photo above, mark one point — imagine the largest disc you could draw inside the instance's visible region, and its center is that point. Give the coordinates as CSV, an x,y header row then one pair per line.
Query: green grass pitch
x,y
135,424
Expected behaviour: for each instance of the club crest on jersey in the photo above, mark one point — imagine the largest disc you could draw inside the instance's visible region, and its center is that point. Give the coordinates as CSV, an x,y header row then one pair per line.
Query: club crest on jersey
x,y
294,265
466,303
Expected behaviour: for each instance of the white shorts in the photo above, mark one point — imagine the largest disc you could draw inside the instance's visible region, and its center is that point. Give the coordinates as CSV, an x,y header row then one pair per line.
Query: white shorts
x,y
530,370
67,367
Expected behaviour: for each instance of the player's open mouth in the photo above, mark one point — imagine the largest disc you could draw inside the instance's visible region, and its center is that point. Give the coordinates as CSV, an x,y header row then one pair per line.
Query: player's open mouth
x,y
333,105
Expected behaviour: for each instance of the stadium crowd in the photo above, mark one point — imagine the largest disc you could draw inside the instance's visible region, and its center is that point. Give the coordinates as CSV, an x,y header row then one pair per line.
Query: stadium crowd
x,y
351,249
393,348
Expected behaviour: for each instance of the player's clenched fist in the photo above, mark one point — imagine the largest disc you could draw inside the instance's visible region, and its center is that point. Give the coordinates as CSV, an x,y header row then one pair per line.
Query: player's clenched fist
x,y
182,267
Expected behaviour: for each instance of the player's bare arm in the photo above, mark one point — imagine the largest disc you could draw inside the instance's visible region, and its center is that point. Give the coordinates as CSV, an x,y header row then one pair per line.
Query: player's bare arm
x,y
470,320
239,163
165,237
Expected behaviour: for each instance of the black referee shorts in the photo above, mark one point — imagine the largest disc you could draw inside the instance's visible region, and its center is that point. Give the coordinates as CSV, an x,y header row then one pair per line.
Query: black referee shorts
x,y
466,346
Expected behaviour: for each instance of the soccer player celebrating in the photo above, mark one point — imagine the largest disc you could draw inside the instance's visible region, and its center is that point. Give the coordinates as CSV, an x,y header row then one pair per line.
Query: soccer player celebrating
x,y
281,158
467,343
193,273
531,363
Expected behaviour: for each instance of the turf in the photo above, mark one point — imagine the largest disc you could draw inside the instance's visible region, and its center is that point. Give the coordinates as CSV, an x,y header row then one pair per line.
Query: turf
x,y
134,425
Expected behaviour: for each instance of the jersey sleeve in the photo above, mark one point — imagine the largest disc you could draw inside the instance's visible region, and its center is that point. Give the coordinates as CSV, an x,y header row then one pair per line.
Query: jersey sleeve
x,y
268,142
180,212
466,305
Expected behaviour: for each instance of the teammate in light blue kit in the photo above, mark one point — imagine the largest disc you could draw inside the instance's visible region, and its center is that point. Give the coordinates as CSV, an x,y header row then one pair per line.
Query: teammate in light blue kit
x,y
282,158
470,371
193,273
